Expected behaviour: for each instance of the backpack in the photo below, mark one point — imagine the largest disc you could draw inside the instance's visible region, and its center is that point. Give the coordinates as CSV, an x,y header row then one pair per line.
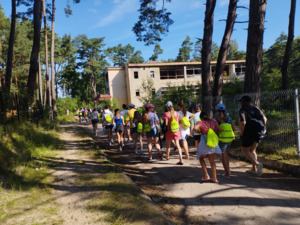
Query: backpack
x,y
185,123
108,119
174,126
212,139
139,127
147,127
257,122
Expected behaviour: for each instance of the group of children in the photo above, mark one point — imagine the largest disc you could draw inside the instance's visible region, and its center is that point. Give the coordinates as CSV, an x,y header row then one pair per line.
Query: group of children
x,y
176,127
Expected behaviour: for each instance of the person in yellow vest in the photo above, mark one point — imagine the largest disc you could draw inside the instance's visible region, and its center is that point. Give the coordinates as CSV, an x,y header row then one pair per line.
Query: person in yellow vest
x,y
225,137
137,130
129,120
107,119
172,122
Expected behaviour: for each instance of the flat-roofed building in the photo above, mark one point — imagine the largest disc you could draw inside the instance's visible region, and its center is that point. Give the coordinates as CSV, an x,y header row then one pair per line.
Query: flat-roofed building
x,y
125,83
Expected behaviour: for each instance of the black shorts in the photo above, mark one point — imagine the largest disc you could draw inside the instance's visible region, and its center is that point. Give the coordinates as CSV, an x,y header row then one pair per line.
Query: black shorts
x,y
197,137
119,128
249,137
109,127
95,121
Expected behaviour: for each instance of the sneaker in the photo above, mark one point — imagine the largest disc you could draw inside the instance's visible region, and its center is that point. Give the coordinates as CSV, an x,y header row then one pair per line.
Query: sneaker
x,y
109,143
142,153
112,141
120,149
123,145
136,151
259,169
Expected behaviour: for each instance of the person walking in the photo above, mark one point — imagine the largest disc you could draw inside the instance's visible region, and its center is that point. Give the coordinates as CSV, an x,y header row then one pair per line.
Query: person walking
x,y
150,122
204,150
129,121
95,121
225,137
107,119
171,119
119,121
184,126
126,127
252,129
196,135
137,131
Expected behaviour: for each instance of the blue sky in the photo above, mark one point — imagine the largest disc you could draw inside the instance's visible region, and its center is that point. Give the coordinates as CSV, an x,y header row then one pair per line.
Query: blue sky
x,y
114,19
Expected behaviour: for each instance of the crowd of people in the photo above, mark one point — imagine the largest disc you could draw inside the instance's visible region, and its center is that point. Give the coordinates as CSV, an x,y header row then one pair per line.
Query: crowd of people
x,y
212,136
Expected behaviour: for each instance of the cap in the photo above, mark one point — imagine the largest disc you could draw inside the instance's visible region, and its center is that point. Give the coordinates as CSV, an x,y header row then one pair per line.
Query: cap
x,y
149,106
132,105
169,103
245,98
221,107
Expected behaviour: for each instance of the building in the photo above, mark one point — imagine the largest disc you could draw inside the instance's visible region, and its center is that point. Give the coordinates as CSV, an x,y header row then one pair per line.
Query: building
x,y
125,83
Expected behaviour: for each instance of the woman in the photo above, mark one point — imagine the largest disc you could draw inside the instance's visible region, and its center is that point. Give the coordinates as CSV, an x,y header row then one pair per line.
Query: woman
x,y
95,121
150,122
138,132
119,121
172,133
196,135
203,150
225,137
184,128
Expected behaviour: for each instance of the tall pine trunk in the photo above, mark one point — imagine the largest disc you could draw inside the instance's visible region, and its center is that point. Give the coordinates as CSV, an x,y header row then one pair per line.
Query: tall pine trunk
x,y
47,76
218,81
53,92
40,83
206,56
34,62
255,48
10,52
288,47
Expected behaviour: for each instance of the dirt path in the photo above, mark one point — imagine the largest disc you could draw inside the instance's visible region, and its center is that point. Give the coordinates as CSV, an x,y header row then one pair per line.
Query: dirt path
x,y
273,198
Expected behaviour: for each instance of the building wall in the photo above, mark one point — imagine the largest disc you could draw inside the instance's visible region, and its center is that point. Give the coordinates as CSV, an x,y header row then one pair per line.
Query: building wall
x,y
117,84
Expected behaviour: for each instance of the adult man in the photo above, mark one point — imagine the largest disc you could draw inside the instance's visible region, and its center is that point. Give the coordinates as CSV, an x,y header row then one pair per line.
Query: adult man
x,y
252,127
107,118
129,120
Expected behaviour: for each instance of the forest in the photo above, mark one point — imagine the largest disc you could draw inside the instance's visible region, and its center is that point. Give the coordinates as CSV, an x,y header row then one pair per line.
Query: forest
x,y
35,62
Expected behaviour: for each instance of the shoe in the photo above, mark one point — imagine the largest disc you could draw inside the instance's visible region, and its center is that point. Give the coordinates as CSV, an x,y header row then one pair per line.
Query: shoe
x,y
112,141
216,182
259,169
142,153
205,179
109,143
179,163
135,151
123,145
226,176
120,149
165,156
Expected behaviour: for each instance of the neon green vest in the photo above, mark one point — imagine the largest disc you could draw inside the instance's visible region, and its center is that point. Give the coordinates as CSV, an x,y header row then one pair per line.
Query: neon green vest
x,y
227,134
174,126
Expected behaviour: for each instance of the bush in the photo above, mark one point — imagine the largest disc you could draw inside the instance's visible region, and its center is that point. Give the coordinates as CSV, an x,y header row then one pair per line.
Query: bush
x,y
68,103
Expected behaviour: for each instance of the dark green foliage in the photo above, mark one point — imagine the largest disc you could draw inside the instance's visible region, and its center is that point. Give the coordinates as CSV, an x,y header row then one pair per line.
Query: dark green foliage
x,y
184,54
152,22
157,51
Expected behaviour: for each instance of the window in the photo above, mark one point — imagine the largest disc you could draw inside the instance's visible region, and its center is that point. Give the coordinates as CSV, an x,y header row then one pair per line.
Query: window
x,y
174,72
240,69
136,75
137,92
152,74
153,91
163,90
193,71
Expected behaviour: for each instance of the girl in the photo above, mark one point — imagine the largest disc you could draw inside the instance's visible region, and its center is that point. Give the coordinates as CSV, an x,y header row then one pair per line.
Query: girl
x,y
150,122
119,120
95,121
169,116
203,150
138,132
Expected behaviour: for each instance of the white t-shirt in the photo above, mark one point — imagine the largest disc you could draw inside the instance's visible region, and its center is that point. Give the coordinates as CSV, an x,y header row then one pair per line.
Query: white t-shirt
x,y
184,132
105,113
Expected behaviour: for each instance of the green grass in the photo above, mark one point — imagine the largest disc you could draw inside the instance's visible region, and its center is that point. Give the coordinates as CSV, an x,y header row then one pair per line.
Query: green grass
x,y
64,119
25,175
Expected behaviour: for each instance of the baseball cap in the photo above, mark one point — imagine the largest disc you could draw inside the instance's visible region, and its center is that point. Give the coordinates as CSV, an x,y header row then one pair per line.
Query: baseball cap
x,y
132,105
245,98
149,106
221,107
169,103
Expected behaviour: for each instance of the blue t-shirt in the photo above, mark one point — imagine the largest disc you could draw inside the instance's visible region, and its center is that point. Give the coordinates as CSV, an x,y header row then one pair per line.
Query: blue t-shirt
x,y
153,118
195,120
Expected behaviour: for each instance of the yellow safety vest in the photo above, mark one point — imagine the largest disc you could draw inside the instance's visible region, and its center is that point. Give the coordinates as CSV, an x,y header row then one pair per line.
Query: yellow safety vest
x,y
147,127
140,128
227,134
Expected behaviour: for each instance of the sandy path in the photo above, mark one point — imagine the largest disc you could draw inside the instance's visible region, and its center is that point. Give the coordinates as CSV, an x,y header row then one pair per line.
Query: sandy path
x,y
273,198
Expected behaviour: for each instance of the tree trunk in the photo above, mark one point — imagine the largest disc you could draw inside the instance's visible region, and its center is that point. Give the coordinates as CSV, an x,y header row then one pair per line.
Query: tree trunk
x,y
206,56
10,47
288,47
47,76
40,83
52,62
34,62
94,86
218,81
254,48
